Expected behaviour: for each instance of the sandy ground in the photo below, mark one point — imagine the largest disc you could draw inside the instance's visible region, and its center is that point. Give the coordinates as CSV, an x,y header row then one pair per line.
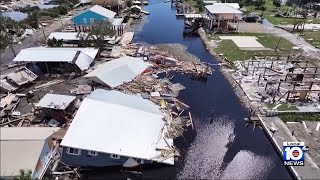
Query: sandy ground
x,y
178,51
252,28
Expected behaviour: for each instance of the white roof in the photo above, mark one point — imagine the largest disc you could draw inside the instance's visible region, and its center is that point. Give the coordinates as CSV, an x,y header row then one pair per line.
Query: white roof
x,y
55,101
102,11
67,36
126,125
209,2
42,54
118,71
222,8
234,5
117,21
135,6
73,36
21,148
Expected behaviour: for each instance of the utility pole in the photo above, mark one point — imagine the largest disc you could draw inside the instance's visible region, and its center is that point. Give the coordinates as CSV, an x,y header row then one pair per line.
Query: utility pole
x,y
44,35
275,50
14,53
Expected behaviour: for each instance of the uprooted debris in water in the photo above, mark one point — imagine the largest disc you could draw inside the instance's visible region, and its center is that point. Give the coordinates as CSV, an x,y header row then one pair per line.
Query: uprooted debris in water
x,y
166,61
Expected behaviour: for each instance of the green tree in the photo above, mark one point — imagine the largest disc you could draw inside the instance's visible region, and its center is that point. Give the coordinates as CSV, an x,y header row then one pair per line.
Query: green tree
x,y
54,42
63,9
32,20
99,32
4,41
277,3
24,175
128,3
200,5
259,3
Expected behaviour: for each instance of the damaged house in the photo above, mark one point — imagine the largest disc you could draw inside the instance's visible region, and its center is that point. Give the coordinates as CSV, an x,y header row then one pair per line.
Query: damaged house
x,y
62,60
124,130
17,79
27,148
54,108
117,71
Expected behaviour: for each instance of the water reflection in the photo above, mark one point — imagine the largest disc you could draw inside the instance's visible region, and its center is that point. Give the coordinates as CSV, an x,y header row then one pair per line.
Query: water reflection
x,y
15,15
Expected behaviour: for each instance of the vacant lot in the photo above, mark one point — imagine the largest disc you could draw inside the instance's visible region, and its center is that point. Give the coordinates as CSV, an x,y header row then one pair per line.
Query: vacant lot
x,y
233,53
313,38
271,10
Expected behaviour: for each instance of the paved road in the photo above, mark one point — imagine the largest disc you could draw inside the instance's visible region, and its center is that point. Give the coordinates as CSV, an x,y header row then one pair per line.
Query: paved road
x,y
34,40
294,39
310,170
299,42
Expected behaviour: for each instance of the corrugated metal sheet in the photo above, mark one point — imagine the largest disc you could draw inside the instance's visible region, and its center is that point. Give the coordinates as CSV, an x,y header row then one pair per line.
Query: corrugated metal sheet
x,y
125,125
118,71
55,101
222,8
66,36
23,76
103,11
117,21
234,5
42,54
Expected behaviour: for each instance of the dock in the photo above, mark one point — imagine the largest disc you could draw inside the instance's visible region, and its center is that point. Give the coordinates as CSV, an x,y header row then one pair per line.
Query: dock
x,y
127,38
278,132
145,12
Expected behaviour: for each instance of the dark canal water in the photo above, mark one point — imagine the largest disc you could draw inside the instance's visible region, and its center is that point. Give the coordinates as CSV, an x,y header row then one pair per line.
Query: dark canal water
x,y
222,148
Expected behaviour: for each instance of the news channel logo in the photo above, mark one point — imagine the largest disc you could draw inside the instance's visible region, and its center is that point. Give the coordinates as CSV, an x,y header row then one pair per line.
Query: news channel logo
x,y
293,153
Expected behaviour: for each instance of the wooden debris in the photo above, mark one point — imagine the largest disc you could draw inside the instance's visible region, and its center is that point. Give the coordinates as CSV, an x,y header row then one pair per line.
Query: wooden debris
x,y
192,125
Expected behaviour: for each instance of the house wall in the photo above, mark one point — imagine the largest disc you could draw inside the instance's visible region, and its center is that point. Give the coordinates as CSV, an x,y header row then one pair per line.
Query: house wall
x,y
87,18
220,16
85,160
44,159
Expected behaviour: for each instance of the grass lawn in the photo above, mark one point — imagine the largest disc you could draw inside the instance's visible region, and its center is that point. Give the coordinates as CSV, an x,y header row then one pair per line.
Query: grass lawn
x,y
283,107
233,53
194,4
313,38
299,117
270,11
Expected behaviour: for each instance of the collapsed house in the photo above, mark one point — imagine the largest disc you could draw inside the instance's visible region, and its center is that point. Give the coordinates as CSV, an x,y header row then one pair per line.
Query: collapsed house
x,y
54,108
25,148
280,80
114,138
58,59
117,71
16,80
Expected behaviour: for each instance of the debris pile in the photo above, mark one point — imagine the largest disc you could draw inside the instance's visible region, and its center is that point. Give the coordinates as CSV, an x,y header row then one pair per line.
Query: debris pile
x,y
291,80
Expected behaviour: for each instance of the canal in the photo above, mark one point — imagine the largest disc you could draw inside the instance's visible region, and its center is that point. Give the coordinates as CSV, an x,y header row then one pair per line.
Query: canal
x,y
222,147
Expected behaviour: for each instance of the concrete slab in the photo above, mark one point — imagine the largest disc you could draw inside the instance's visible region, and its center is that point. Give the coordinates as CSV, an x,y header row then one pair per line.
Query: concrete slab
x,y
307,133
310,170
247,43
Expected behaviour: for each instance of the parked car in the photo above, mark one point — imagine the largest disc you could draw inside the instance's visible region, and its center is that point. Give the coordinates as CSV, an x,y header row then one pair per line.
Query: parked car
x,y
251,18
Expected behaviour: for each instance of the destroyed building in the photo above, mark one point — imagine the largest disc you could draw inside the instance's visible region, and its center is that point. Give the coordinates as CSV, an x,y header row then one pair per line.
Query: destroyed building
x,y
122,128
54,108
17,79
57,60
117,71
273,80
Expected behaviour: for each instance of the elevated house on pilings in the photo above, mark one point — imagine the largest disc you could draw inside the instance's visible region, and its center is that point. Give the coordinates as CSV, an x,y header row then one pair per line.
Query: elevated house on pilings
x,y
221,17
